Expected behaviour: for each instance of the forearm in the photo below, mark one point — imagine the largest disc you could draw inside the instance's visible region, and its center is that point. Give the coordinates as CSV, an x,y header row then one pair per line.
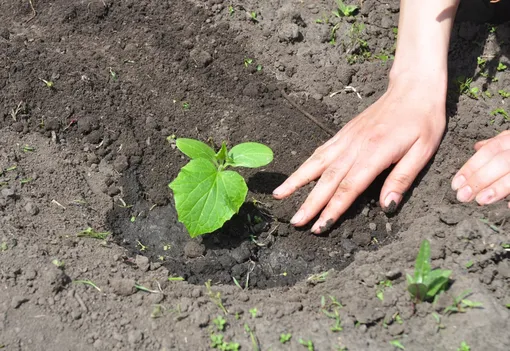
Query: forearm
x,y
423,39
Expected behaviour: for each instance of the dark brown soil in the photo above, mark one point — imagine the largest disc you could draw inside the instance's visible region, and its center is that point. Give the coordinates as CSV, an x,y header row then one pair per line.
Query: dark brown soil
x,y
121,72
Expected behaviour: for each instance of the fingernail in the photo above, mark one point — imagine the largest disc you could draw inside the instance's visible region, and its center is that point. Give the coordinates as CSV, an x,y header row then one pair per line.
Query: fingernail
x,y
457,182
316,227
278,191
464,193
298,217
486,197
392,201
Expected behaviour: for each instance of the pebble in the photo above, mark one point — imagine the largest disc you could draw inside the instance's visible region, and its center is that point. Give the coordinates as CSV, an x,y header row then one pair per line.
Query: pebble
x,y
388,227
193,249
372,226
142,262
8,192
31,208
123,287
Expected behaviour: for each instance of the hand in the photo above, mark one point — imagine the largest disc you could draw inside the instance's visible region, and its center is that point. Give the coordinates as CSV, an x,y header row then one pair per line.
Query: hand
x,y
486,175
404,127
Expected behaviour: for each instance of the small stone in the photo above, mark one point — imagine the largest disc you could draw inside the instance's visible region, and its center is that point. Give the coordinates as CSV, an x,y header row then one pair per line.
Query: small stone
x,y
393,274
194,249
76,315
289,32
196,293
361,238
142,262
395,329
241,253
372,226
123,287
8,193
113,190
134,337
365,211
388,227
504,269
18,301
31,208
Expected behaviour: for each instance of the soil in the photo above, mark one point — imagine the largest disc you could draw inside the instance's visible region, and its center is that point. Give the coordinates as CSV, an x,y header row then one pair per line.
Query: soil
x,y
92,151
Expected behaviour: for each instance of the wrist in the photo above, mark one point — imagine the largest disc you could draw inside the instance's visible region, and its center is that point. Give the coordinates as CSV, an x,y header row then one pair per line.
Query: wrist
x,y
430,81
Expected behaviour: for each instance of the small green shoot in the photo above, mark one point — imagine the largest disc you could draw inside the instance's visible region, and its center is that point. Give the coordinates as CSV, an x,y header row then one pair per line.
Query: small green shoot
x,y
186,105
25,180
504,94
330,310
501,67
380,289
87,282
206,194
91,233
253,16
426,283
215,297
332,34
464,347
492,29
253,312
27,148
284,338
314,279
49,84
505,246
481,62
4,246
175,279
217,342
397,344
488,94
247,61
58,263
308,344
113,75
259,68
465,87
469,264
344,10
500,111
143,288
253,338
220,323
141,246
437,318
460,303
231,10
157,311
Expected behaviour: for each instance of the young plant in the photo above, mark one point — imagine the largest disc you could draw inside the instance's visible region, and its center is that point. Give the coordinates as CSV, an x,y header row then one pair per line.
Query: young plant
x,y
504,94
48,83
206,194
426,283
285,337
501,67
91,233
397,344
480,61
460,303
344,10
330,310
220,323
308,344
253,312
500,111
464,347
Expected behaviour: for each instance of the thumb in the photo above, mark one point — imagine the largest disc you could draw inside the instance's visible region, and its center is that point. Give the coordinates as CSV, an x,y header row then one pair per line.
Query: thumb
x,y
402,176
481,143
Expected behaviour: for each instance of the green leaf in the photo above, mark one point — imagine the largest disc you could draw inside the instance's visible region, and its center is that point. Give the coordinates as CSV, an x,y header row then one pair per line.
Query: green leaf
x,y
436,281
251,155
221,156
195,149
422,265
397,344
418,290
206,198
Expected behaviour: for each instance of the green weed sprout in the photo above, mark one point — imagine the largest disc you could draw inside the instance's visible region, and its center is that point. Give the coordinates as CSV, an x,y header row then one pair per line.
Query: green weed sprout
x,y
426,283
344,10
206,194
285,337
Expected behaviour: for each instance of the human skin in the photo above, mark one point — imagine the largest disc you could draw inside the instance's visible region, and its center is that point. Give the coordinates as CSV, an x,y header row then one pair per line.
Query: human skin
x,y
403,128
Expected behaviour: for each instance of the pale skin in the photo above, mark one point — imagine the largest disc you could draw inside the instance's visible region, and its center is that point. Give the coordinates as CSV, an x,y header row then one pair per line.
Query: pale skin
x,y
403,128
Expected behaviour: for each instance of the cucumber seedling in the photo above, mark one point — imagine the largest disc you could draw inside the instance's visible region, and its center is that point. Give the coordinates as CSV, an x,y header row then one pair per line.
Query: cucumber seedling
x,y
206,194
426,283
